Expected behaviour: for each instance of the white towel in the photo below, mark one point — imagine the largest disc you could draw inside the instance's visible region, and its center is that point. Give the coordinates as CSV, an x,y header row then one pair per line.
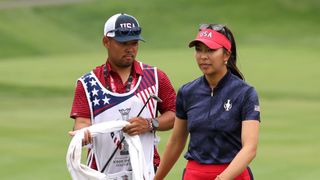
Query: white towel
x,y
80,171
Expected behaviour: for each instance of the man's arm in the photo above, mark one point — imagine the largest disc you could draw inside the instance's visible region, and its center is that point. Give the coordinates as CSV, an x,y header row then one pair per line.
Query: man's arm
x,y
167,107
140,125
166,121
80,123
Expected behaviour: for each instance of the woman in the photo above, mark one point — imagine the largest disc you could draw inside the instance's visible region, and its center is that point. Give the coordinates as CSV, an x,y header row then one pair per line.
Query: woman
x,y
220,112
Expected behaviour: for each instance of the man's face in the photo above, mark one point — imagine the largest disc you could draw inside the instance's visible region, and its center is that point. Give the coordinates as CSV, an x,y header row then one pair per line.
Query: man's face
x,y
121,54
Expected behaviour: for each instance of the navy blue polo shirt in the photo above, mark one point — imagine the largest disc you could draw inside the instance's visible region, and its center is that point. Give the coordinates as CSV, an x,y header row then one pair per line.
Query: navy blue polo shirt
x,y
214,117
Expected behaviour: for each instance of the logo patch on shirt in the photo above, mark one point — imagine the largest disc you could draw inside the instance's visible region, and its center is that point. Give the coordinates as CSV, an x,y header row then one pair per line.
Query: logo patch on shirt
x,y
227,105
125,113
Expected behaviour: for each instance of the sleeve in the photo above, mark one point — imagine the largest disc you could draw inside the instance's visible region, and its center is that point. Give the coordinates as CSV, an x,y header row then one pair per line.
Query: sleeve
x,y
180,106
251,107
166,93
80,106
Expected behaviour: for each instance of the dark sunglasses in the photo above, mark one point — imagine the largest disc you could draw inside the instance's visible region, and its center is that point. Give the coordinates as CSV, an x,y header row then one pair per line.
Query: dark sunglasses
x,y
215,27
127,31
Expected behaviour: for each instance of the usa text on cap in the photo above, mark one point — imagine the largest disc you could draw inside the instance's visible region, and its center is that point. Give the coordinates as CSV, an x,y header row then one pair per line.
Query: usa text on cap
x,y
122,27
212,39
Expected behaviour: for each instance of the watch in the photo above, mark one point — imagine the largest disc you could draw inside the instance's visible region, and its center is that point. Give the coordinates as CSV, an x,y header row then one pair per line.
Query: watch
x,y
155,123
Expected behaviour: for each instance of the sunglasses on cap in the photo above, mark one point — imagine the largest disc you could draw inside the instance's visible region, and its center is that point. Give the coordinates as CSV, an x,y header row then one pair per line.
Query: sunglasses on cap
x,y
127,31
215,27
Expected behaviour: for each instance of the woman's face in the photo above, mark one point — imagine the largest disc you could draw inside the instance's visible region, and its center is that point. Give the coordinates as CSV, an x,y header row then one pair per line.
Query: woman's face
x,y
211,61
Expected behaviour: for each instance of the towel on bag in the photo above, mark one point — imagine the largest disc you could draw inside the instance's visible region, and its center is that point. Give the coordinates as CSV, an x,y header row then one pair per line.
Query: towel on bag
x,y
80,171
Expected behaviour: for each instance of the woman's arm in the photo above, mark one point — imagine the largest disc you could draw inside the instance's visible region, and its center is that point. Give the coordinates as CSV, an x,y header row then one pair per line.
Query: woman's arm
x,y
249,138
173,149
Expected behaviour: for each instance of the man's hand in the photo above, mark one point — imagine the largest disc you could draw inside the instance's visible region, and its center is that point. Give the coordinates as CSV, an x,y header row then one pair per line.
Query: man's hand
x,y
138,125
80,123
87,137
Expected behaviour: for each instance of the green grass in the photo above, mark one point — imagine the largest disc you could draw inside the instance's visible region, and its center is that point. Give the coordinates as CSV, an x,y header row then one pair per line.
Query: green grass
x,y
43,50
288,142
34,137
36,113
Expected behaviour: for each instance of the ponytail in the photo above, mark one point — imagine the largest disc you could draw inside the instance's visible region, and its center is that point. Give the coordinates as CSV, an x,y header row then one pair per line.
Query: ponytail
x,y
232,61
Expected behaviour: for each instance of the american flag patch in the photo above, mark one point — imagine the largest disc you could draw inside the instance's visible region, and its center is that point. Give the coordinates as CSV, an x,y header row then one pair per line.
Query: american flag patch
x,y
257,108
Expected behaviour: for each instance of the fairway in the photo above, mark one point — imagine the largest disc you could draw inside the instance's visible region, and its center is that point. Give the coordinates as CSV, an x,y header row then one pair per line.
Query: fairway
x,y
38,75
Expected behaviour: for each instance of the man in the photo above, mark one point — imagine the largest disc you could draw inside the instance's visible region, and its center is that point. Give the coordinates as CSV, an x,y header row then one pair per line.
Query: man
x,y
118,90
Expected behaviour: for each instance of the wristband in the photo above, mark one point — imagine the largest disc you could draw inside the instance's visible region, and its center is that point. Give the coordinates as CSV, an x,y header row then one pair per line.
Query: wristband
x,y
153,123
149,125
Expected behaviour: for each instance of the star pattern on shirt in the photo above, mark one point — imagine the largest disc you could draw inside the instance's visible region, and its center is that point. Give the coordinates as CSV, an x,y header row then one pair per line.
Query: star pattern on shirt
x,y
106,100
93,82
96,101
99,97
95,92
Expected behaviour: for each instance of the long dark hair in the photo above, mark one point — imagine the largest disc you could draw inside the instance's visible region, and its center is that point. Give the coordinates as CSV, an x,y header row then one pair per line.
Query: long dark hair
x,y
232,61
